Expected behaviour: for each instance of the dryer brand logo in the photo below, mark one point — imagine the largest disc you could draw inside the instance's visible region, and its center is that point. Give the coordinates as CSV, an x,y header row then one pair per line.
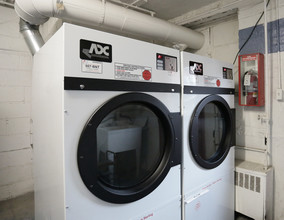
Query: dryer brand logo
x,y
195,68
90,50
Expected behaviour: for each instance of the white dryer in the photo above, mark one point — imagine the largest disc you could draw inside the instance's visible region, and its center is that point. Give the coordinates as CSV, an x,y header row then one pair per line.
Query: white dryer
x,y
208,138
106,128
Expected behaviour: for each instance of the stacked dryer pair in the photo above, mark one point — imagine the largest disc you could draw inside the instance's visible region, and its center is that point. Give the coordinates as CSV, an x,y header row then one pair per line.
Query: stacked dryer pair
x,y
208,138
107,133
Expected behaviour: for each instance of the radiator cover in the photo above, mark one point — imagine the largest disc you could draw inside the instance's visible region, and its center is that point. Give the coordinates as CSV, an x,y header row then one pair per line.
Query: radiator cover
x,y
254,190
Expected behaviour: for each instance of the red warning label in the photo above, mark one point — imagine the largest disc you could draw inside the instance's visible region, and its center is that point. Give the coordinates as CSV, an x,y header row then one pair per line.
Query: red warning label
x,y
146,75
131,72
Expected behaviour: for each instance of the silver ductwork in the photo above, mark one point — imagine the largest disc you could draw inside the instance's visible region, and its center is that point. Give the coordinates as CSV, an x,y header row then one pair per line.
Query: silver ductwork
x,y
96,13
31,35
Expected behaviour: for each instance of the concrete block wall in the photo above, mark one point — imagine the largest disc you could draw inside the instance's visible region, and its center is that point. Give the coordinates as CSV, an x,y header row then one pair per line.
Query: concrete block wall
x,y
16,176
16,171
221,40
251,132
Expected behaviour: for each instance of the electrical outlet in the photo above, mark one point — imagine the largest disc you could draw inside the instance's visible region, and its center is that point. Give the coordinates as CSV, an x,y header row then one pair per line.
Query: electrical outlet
x,y
279,94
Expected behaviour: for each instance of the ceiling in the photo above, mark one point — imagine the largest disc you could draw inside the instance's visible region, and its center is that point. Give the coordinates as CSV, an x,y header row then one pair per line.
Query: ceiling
x,y
7,3
168,9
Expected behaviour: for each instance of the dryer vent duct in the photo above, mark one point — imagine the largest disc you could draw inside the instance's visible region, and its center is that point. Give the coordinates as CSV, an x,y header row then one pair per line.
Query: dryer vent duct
x,y
31,35
101,13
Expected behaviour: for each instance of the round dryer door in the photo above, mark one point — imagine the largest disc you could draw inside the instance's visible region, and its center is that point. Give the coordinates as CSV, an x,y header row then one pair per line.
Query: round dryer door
x,y
211,132
126,148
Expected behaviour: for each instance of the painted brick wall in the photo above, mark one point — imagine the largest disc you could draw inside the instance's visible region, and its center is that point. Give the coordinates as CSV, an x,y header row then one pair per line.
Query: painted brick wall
x,y
15,109
221,40
251,130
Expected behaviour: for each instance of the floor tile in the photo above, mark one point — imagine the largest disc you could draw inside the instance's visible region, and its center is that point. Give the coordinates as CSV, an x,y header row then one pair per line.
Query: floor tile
x,y
20,208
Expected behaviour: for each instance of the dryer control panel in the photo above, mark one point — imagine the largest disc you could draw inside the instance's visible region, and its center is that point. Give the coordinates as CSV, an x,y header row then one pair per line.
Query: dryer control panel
x,y
166,62
200,71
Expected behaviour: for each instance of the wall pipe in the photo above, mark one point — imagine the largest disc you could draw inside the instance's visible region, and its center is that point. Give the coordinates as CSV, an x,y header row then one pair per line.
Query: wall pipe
x,y
264,151
267,93
101,13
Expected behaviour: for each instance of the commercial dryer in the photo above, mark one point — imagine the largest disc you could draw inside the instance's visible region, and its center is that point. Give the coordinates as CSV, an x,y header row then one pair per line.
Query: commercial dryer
x,y
106,128
208,138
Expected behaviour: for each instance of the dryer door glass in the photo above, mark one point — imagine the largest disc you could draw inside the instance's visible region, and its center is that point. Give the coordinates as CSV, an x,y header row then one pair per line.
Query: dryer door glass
x,y
128,147
130,142
211,131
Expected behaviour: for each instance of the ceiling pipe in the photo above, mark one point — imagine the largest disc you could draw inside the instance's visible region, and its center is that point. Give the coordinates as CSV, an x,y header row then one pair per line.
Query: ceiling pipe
x,y
101,13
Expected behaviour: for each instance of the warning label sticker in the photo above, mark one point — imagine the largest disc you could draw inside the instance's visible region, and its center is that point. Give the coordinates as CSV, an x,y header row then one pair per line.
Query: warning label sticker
x,y
210,80
132,72
249,58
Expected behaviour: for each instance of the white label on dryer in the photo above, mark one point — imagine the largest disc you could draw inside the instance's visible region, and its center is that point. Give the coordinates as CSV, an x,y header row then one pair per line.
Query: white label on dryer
x,y
210,80
89,66
132,72
192,80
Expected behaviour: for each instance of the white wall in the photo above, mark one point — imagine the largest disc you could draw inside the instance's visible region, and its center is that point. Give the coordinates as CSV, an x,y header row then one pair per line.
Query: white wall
x,y
15,103
221,40
16,171
250,130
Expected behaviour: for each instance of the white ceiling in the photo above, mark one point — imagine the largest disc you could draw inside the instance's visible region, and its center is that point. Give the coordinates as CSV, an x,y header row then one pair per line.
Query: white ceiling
x,y
168,9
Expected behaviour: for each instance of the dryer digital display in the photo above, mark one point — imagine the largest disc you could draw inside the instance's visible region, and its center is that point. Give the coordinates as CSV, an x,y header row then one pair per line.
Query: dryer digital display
x,y
227,73
166,62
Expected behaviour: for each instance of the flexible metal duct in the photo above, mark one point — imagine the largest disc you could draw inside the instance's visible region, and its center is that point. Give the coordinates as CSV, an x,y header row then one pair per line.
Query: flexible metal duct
x,y
101,13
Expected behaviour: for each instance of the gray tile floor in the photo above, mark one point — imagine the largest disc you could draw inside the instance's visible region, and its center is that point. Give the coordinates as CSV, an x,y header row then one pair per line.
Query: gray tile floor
x,y
20,208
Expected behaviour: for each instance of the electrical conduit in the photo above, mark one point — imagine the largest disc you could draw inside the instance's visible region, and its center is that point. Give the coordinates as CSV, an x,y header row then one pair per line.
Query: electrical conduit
x,y
267,94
